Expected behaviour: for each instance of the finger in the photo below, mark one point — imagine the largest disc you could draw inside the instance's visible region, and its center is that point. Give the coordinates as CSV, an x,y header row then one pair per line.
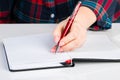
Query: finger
x,y
70,46
73,34
58,30
53,49
70,37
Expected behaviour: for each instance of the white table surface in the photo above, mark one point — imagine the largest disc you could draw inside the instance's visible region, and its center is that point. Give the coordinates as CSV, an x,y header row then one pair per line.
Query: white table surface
x,y
81,71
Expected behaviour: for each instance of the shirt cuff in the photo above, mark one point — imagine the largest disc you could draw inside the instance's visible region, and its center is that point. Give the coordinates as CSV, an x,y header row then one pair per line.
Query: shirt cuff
x,y
103,21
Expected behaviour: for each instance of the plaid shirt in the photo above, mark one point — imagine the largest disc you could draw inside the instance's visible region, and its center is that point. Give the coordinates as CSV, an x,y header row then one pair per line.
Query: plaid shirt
x,y
54,11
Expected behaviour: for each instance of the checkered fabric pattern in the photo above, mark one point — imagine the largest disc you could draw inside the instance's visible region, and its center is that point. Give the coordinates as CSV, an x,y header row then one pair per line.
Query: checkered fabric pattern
x,y
54,11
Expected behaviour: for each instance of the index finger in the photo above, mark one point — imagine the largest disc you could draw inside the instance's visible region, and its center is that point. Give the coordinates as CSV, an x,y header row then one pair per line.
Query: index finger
x,y
68,38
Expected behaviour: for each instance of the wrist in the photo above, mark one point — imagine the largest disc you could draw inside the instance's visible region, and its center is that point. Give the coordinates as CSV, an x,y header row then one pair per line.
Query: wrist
x,y
85,17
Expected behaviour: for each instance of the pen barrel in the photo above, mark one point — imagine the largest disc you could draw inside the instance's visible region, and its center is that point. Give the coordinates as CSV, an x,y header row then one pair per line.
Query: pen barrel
x,y
67,27
70,21
76,9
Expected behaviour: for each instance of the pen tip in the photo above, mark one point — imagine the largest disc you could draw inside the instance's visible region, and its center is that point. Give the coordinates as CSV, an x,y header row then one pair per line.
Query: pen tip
x,y
56,49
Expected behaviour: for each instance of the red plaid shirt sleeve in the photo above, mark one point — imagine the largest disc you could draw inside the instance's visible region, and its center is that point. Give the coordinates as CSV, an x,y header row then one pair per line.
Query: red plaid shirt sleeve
x,y
107,11
41,11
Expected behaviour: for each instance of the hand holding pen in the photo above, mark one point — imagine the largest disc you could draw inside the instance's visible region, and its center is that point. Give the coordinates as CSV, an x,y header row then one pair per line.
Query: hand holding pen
x,y
71,33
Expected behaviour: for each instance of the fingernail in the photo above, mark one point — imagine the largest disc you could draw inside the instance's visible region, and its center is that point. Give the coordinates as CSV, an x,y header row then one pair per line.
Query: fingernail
x,y
61,43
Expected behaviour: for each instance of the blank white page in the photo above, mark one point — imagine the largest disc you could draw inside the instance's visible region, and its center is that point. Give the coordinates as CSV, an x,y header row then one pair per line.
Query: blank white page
x,y
32,52
97,46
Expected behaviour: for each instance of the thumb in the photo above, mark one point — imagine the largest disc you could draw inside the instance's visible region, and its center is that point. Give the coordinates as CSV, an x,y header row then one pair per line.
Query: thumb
x,y
58,30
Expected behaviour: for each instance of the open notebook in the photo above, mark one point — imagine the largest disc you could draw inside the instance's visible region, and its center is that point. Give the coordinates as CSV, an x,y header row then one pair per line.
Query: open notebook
x,y
33,52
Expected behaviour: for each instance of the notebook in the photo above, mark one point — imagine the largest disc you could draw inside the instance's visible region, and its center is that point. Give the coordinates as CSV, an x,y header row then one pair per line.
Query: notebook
x,y
33,52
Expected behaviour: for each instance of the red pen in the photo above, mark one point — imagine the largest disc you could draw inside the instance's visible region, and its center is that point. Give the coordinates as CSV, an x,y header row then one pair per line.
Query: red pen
x,y
69,24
